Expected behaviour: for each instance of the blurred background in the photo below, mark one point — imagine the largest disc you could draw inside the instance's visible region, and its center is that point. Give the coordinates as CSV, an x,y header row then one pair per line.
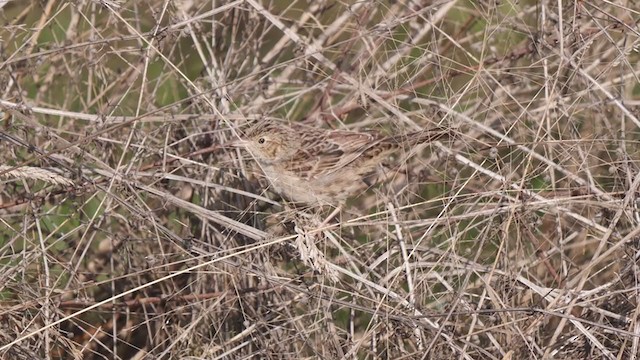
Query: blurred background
x,y
128,230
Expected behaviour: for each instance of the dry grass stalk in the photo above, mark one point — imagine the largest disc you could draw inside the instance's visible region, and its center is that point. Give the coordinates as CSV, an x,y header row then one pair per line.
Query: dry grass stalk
x,y
519,238
35,173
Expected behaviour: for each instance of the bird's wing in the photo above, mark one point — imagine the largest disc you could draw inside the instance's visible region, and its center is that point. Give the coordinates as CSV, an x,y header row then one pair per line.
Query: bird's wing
x,y
324,154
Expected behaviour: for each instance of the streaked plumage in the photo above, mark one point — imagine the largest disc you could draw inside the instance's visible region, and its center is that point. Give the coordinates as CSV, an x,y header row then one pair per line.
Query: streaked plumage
x,y
310,165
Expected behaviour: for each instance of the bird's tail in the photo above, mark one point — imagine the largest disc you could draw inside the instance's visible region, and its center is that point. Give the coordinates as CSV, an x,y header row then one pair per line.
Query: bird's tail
x,y
423,136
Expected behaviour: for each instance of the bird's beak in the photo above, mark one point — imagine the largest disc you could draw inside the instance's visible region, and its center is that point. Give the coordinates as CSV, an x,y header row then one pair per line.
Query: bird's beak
x,y
236,143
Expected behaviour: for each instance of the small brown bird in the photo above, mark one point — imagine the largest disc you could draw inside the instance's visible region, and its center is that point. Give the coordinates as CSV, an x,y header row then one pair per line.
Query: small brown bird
x,y
314,166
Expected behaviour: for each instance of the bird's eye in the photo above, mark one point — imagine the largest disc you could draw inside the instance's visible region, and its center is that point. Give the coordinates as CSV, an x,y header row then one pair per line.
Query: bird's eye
x,y
261,140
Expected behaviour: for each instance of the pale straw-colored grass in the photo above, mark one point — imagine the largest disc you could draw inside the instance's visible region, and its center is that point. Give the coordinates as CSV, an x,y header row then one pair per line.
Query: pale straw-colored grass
x,y
152,238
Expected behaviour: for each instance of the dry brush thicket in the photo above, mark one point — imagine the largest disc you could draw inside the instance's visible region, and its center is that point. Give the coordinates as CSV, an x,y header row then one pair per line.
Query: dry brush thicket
x,y
128,229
